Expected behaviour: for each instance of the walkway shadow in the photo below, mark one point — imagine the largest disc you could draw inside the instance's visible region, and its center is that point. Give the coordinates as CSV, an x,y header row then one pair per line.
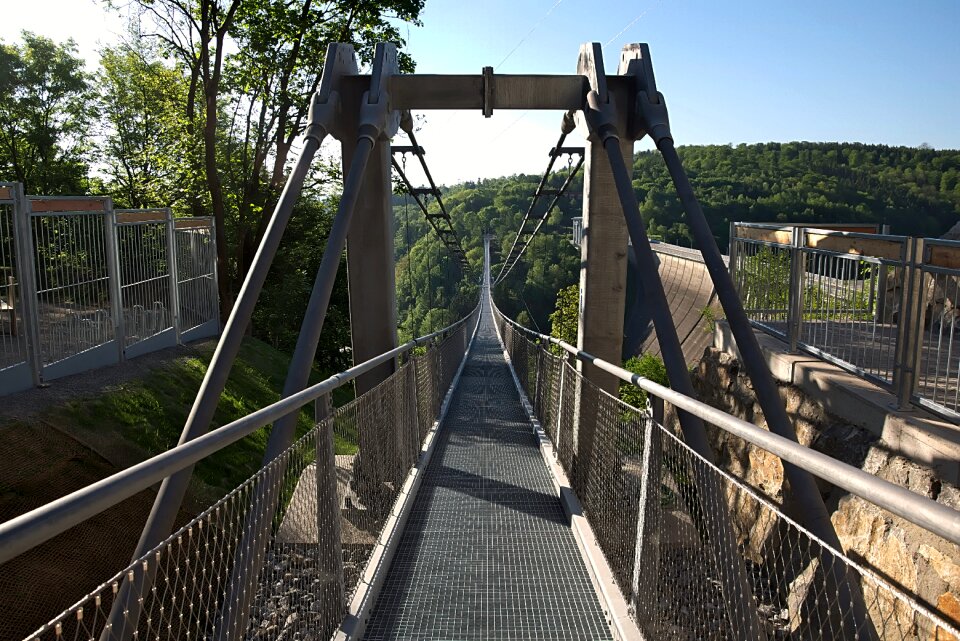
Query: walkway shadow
x,y
507,495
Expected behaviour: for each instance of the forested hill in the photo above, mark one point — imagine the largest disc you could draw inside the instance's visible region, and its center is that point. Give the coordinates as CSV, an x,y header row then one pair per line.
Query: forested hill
x,y
915,190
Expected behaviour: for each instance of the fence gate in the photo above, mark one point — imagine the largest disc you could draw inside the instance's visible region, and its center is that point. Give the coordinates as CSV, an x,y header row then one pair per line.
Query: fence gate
x,y
147,291
196,268
76,299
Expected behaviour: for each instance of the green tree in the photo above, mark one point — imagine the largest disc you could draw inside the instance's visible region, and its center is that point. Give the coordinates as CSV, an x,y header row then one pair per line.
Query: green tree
x,y
648,366
44,115
565,319
145,142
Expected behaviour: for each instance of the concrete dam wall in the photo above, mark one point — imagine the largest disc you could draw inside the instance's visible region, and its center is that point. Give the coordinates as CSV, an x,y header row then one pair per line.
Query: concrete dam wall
x,y
692,300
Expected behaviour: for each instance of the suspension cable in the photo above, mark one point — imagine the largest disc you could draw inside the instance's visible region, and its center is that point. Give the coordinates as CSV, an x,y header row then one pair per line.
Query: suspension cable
x,y
520,246
406,225
441,222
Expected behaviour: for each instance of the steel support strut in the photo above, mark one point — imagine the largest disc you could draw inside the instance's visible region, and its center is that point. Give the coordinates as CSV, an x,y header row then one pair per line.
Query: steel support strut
x,y
323,108
252,550
599,114
806,501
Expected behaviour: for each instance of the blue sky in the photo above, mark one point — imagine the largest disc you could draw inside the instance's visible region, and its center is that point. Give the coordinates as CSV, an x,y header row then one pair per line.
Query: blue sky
x,y
744,71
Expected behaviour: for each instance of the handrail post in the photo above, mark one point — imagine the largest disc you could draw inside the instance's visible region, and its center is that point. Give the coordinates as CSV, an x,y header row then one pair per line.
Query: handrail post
x,y
910,324
329,543
646,554
795,298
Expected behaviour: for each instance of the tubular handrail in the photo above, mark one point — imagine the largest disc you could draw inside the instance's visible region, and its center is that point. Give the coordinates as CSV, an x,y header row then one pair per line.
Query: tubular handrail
x,y
919,510
32,528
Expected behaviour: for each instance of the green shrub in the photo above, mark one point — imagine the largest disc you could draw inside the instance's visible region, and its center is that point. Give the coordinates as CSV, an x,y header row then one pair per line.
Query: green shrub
x,y
648,366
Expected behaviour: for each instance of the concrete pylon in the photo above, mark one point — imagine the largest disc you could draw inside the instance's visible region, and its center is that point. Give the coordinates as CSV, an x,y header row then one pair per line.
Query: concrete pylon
x,y
603,266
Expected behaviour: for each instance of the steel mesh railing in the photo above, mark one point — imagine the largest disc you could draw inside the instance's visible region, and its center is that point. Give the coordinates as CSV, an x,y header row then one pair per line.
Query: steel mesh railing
x,y
653,505
352,463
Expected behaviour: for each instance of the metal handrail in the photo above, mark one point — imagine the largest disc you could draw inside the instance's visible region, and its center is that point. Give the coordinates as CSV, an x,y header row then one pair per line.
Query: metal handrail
x,y
919,510
29,530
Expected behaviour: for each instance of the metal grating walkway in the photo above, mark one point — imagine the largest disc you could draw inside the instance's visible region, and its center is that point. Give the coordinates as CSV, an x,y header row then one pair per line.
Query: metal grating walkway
x,y
486,552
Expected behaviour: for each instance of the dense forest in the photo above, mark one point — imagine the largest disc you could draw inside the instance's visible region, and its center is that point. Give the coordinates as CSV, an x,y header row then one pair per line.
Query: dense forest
x,y
202,113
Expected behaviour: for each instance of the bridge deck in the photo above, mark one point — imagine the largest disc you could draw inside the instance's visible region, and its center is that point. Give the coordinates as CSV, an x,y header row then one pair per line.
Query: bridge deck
x,y
487,552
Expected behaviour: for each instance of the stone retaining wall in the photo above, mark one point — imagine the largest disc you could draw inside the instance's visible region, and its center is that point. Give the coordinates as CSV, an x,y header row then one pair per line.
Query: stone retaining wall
x,y
921,563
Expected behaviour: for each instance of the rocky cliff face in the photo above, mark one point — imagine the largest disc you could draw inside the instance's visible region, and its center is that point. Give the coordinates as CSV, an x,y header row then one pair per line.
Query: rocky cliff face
x,y
920,563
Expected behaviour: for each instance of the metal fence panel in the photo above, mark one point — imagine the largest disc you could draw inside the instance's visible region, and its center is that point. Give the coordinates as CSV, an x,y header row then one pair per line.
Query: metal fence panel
x,y
83,285
881,306
938,376
76,315
847,315
196,259
146,288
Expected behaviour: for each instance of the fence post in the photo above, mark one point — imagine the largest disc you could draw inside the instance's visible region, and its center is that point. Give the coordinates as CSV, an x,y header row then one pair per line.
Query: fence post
x,y
25,252
732,254
113,276
563,363
910,324
214,285
174,273
880,304
795,297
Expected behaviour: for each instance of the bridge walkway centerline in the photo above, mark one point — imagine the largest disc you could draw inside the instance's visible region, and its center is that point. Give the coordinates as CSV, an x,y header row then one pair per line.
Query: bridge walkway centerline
x,y
487,552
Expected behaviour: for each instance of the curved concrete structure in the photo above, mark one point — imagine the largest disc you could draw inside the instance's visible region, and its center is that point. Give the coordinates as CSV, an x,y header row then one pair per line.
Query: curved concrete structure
x,y
692,300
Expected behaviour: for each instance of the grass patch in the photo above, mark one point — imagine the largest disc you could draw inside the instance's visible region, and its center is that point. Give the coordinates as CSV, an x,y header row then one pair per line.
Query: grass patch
x,y
150,412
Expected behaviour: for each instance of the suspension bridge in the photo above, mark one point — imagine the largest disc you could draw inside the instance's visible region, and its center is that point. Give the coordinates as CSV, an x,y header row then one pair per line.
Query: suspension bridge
x,y
499,488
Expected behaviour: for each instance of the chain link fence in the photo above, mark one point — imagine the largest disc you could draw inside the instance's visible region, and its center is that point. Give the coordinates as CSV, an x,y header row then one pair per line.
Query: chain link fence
x,y
337,486
655,508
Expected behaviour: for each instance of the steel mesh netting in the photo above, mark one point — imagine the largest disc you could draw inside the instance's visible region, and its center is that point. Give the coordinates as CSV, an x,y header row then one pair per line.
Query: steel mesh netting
x,y
633,476
190,586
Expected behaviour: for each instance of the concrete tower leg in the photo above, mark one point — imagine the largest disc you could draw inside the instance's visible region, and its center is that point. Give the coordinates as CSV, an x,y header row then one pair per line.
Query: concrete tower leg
x,y
603,271
371,281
